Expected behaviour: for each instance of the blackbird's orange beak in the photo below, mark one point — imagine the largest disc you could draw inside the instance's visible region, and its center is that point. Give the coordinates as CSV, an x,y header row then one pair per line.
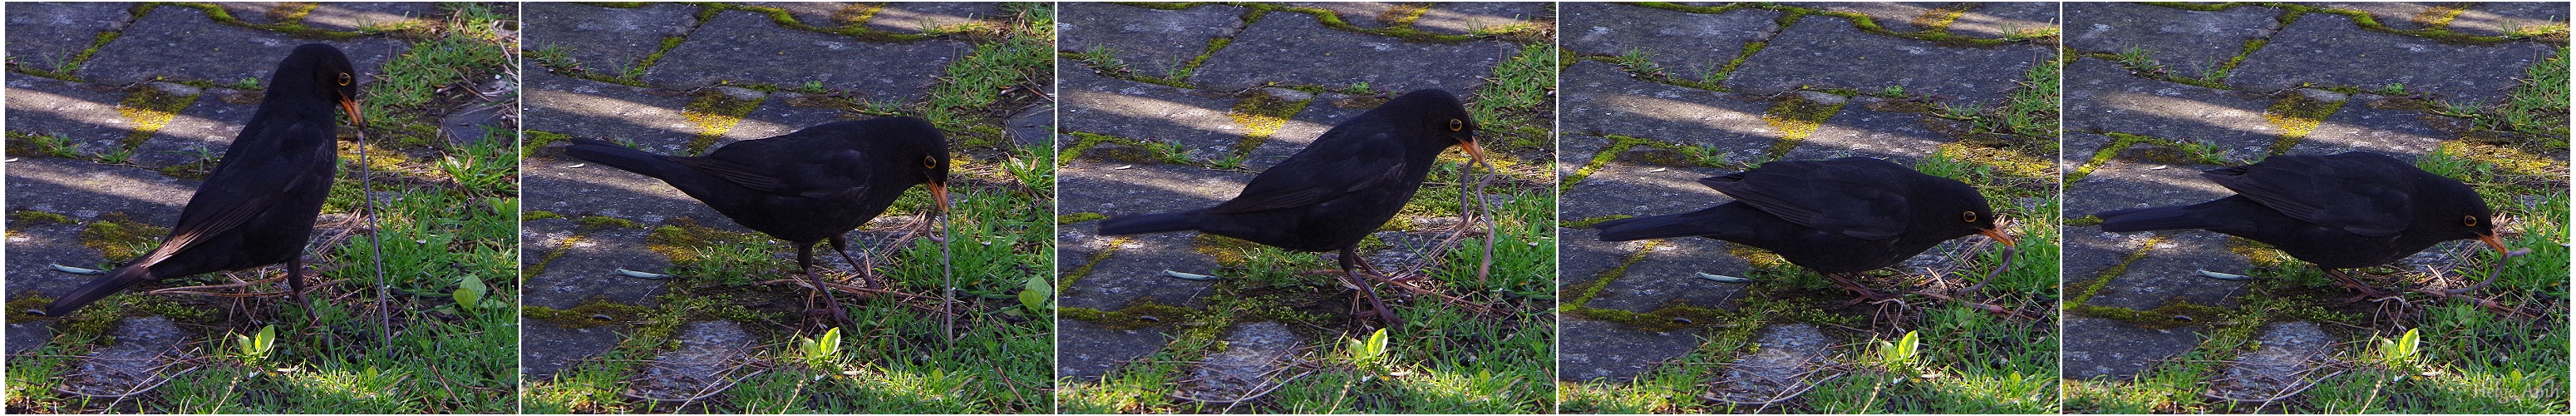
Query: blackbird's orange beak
x,y
1473,151
2497,243
351,104
1998,235
939,192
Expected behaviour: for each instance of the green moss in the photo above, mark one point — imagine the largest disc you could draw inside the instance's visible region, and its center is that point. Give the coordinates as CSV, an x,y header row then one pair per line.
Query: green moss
x,y
538,215
1079,217
1067,279
1583,292
150,109
603,221
1261,115
714,112
2103,279
680,238
2296,115
1589,222
594,312
1794,118
1668,318
27,217
116,236
1144,313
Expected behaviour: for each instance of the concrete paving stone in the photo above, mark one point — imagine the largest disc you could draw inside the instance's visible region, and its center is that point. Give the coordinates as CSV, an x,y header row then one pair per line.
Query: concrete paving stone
x,y
599,110
552,184
1574,152
1599,99
588,270
822,14
82,191
84,113
1781,363
336,16
2325,49
26,337
1461,18
2281,362
1583,257
2395,15
261,12
717,52
1859,131
2126,183
606,40
779,113
1630,188
706,354
2104,348
209,124
2170,272
2089,251
1196,119
1086,351
1891,15
1033,127
1150,41
1320,115
1999,19
1828,53
2100,97
1254,355
1295,49
1596,350
1667,276
1365,14
2496,19
135,361
42,35
2181,39
2075,149
913,17
546,348
1683,43
2358,126
180,43
1135,272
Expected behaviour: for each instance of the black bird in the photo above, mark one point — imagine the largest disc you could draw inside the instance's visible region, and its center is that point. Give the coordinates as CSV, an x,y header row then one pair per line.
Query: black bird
x,y
257,207
1838,217
805,187
1339,189
2341,211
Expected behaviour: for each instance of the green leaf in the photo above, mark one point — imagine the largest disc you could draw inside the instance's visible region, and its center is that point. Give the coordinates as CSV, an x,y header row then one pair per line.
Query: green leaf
x,y
1037,294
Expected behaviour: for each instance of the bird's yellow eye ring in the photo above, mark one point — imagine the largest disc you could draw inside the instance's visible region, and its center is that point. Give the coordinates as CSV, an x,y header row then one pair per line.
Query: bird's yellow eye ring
x,y
1456,125
344,79
1967,216
929,162
2469,220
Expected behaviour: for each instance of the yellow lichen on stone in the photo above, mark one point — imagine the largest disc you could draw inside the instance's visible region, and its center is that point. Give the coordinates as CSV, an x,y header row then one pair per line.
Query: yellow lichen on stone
x,y
1795,118
2507,159
714,113
150,109
2296,116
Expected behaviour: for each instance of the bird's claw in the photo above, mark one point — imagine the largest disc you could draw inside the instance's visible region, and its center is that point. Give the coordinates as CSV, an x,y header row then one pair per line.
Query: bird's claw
x,y
2223,276
76,270
1189,276
1722,278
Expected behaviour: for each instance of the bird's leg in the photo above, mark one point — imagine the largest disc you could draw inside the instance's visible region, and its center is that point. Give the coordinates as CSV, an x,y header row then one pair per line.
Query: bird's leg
x,y
805,261
1846,282
867,273
2367,292
1350,262
295,289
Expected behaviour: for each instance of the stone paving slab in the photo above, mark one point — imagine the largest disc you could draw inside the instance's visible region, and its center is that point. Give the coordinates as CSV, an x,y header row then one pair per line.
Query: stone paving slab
x,y
1680,42
1295,49
1086,351
356,16
1826,52
1364,14
2361,125
83,192
2000,19
1466,17
2170,273
545,348
186,45
606,39
2330,50
1148,40
2496,18
1597,350
1665,277
1197,120
1629,188
1600,99
84,113
2102,97
2181,39
1859,131
2097,347
44,34
718,51
584,108
912,18
209,125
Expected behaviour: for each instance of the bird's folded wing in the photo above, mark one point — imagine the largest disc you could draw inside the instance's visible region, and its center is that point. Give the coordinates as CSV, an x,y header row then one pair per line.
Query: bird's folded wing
x,y
747,175
2320,193
247,191
1323,172
1815,194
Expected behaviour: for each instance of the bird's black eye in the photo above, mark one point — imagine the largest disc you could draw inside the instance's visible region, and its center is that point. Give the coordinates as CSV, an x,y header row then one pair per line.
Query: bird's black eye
x,y
1967,216
1456,125
2469,220
344,79
929,162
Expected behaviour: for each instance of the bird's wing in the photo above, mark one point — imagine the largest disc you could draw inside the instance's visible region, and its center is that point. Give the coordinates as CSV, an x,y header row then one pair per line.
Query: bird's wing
x,y
2356,198
802,170
244,193
1323,172
1862,203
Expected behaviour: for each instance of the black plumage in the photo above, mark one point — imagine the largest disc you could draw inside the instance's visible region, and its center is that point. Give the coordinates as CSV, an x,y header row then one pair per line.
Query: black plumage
x,y
1838,217
258,205
2340,211
805,187
1336,191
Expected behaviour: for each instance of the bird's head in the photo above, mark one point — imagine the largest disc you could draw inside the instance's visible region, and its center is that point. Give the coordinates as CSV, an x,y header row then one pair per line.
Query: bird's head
x,y
1984,221
323,72
1442,114
924,148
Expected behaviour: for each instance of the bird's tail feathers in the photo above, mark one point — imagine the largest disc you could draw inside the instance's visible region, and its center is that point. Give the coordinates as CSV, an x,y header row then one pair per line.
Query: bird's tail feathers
x,y
1150,223
115,281
1642,228
620,157
2152,219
